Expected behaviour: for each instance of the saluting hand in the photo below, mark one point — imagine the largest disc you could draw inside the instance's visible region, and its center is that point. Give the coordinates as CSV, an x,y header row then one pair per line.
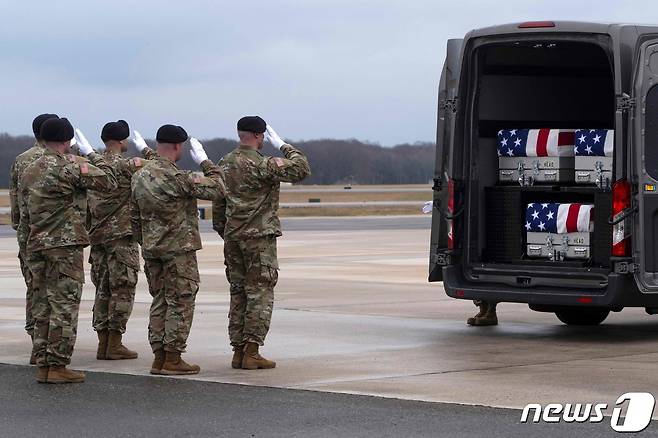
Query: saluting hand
x,y
197,152
83,144
274,138
139,141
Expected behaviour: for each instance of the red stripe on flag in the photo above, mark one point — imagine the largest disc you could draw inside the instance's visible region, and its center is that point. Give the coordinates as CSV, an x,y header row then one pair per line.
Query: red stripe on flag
x,y
566,139
542,142
572,218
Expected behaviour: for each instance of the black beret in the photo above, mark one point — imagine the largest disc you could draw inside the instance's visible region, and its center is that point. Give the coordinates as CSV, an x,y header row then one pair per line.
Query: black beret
x,y
38,121
56,130
118,130
252,124
171,134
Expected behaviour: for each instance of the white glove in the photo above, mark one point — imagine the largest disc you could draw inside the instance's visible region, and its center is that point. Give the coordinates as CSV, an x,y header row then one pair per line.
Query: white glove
x,y
427,208
198,154
83,144
139,141
274,138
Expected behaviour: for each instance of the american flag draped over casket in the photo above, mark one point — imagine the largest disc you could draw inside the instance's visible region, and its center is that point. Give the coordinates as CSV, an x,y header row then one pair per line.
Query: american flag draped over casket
x,y
594,142
536,142
559,218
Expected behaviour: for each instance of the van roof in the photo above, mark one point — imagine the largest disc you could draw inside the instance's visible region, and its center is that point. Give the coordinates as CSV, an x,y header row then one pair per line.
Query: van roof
x,y
560,26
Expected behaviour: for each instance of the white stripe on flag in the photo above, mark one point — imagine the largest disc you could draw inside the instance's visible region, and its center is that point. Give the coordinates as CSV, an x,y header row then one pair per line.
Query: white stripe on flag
x,y
562,212
609,143
584,218
531,144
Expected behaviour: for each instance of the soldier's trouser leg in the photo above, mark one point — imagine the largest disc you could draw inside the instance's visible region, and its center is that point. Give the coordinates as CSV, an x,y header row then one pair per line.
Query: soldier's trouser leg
x,y
235,274
100,277
27,276
114,272
261,275
173,283
57,278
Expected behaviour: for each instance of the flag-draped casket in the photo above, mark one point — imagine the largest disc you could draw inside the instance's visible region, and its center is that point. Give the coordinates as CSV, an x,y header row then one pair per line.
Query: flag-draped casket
x,y
559,231
531,156
593,150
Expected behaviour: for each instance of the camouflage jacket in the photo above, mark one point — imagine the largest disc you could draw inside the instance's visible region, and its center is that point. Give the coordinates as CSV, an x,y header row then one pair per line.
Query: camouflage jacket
x,y
108,217
165,217
20,164
53,198
250,208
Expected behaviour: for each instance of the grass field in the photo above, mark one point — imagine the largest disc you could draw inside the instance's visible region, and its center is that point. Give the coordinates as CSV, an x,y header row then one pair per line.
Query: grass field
x,y
320,194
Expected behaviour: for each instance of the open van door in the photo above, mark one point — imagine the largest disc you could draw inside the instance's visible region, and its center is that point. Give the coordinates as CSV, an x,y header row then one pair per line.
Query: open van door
x,y
645,140
445,137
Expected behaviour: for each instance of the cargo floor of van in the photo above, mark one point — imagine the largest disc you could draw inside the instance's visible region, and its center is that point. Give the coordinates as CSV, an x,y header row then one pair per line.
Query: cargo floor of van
x,y
566,83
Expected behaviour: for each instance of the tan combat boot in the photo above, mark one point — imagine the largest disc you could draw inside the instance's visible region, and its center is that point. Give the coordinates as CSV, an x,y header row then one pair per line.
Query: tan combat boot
x,y
42,374
61,374
174,365
116,350
484,306
101,353
238,355
158,361
253,360
489,318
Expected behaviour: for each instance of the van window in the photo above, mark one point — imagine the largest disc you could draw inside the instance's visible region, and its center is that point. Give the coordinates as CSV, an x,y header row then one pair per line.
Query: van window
x,y
651,133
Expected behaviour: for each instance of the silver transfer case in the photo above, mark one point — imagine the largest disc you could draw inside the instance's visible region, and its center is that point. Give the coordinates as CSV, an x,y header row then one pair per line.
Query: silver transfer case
x,y
558,247
594,170
530,170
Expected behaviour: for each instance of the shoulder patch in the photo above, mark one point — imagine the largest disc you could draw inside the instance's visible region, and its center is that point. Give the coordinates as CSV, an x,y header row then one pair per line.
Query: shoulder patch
x,y
279,161
137,162
84,168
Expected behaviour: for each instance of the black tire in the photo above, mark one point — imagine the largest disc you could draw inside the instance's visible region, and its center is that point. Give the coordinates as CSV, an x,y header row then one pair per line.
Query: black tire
x,y
582,316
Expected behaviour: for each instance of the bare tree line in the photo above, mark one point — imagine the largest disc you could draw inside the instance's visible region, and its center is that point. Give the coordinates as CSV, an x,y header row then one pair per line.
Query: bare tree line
x,y
332,161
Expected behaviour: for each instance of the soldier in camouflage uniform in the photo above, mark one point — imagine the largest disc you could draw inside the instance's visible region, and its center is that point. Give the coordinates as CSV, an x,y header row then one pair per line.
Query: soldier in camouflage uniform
x,y
165,220
53,203
114,255
23,161
248,222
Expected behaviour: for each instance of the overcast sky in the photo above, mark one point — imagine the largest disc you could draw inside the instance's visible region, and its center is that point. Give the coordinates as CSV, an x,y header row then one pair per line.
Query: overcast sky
x,y
364,69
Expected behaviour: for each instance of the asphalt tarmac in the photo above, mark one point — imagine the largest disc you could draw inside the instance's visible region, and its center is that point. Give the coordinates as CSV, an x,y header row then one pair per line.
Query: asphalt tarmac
x,y
354,316
110,405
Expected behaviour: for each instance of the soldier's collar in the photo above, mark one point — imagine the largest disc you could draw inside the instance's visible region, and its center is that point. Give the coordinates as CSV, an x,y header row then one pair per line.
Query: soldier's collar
x,y
49,151
246,148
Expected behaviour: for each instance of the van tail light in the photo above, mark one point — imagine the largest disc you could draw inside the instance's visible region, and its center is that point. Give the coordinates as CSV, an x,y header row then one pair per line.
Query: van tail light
x,y
536,24
621,201
451,211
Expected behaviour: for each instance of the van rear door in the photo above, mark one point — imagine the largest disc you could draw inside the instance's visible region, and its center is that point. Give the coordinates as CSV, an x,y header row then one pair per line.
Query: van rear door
x,y
645,145
445,137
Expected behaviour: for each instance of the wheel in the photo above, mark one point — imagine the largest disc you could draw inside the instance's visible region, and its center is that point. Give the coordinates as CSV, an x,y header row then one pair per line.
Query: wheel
x,y
582,316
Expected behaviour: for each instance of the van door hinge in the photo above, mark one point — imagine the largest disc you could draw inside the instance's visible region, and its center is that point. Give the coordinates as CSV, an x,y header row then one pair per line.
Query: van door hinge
x,y
450,105
625,102
438,185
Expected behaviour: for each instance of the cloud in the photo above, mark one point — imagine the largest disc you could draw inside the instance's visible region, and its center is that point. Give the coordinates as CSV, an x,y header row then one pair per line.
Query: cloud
x,y
324,68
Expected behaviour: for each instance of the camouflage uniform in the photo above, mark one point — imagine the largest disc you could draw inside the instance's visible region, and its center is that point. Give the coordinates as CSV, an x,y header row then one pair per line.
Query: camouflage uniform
x,y
114,255
20,164
165,220
53,207
247,219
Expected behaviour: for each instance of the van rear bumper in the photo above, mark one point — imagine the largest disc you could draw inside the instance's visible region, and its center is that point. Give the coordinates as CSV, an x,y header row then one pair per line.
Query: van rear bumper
x,y
620,292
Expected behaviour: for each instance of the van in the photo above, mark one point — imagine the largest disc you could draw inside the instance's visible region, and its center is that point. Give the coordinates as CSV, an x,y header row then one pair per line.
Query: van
x,y
558,75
